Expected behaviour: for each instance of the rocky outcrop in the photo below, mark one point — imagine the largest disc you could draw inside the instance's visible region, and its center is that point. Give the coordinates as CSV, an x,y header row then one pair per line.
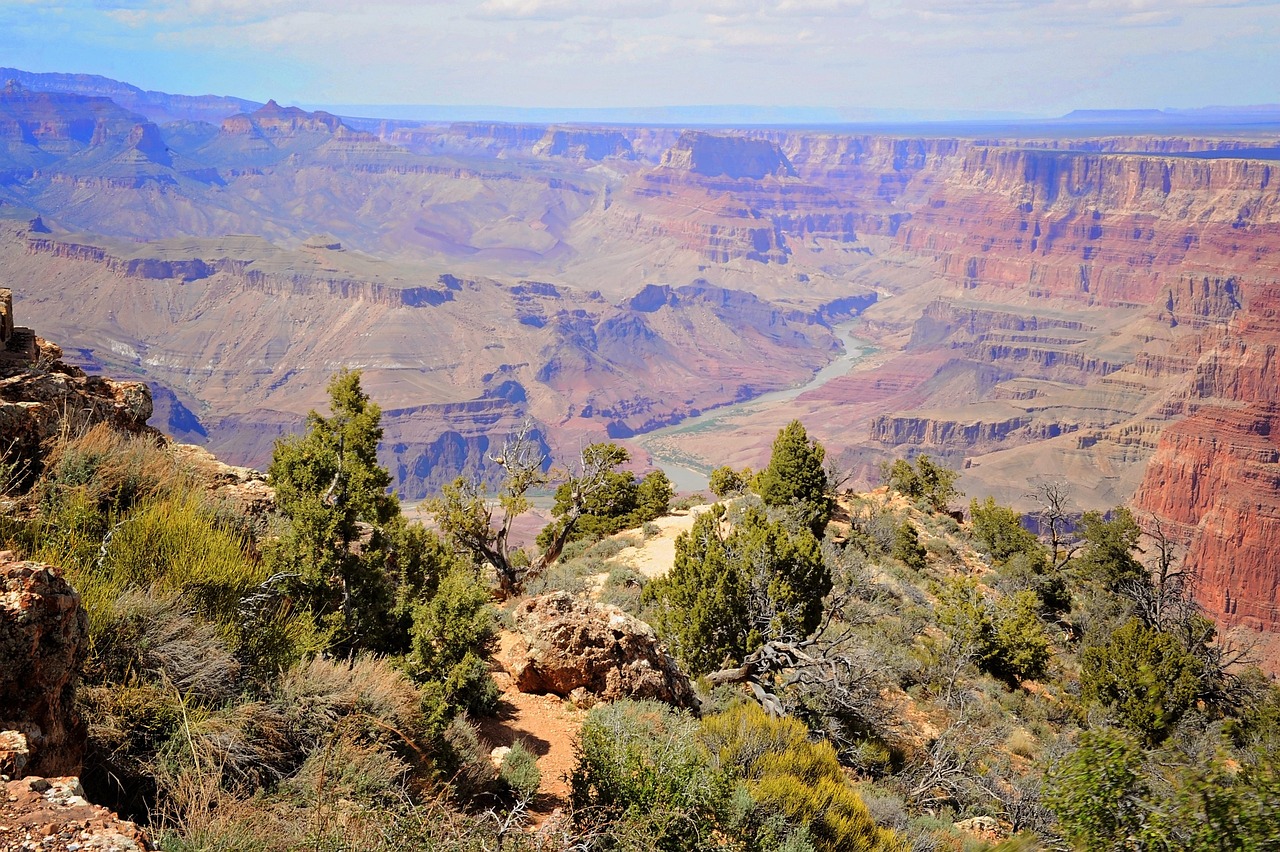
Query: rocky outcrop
x,y
588,651
242,272
40,396
44,636
583,144
53,814
273,120
58,122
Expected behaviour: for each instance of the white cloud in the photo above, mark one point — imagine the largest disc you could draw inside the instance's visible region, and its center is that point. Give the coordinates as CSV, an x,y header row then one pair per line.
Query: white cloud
x,y
561,10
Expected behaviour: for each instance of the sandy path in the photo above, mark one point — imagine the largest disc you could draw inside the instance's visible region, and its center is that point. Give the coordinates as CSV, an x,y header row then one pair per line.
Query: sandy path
x,y
654,557
546,724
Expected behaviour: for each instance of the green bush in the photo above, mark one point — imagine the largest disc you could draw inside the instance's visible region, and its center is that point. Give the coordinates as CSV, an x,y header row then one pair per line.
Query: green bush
x,y
519,773
926,482
725,482
1000,532
450,632
1097,792
1144,676
907,548
728,593
1019,646
796,786
796,479
642,773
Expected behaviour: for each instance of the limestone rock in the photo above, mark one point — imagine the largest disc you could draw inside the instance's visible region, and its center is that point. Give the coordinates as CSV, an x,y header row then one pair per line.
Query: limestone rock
x,y
40,395
243,486
575,644
43,642
53,814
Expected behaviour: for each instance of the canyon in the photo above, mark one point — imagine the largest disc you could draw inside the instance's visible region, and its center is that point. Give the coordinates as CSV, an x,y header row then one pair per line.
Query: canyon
x,y
1098,310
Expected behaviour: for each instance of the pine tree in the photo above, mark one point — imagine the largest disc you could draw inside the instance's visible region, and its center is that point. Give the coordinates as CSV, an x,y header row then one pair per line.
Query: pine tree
x,y
796,478
333,492
728,593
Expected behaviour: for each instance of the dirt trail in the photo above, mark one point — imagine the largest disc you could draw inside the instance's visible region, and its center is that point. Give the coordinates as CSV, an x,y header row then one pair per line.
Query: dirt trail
x,y
654,557
547,725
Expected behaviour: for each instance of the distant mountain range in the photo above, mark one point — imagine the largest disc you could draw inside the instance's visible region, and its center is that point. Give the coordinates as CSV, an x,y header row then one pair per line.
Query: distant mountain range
x,y
159,107
163,108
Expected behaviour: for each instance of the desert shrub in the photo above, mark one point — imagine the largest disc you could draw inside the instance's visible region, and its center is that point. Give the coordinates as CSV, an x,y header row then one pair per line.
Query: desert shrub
x,y
1018,646
1097,792
142,635
1000,532
795,785
115,470
519,773
907,548
1145,676
881,532
464,760
641,771
926,482
687,502
564,576
726,482
727,593
624,588
450,632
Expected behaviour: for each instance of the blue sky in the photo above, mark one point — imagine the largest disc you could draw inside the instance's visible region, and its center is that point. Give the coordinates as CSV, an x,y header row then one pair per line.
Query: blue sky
x,y
1042,57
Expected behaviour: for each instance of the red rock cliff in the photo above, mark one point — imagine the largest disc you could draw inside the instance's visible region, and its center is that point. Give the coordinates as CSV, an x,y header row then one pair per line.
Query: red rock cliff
x,y
1215,477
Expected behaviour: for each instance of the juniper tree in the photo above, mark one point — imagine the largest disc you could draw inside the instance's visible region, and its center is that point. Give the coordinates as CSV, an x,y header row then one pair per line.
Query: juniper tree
x,y
731,590
331,489
796,478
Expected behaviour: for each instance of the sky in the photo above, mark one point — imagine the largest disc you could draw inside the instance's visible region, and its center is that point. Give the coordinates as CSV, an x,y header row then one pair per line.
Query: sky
x,y
924,57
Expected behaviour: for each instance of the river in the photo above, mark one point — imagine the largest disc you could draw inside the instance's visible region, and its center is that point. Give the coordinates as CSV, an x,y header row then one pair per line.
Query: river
x,y
688,473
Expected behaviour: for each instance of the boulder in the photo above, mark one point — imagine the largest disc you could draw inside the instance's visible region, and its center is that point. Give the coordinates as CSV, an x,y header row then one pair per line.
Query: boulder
x,y
44,636
578,648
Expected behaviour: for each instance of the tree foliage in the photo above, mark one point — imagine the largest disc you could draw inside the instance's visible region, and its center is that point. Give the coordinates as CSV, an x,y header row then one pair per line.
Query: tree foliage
x,y
335,549
621,502
926,481
796,478
466,516
450,631
726,482
1098,791
1000,531
1005,637
1110,547
1145,676
729,591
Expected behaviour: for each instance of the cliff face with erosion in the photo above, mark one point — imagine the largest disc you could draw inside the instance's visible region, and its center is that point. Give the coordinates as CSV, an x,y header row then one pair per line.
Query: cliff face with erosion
x,y
1215,478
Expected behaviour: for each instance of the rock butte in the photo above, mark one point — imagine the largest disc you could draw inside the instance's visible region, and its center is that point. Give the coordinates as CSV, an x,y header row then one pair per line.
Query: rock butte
x,y
1039,307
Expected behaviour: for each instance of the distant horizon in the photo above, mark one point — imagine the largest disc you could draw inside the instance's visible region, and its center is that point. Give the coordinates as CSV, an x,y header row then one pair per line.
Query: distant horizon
x,y
727,115
916,58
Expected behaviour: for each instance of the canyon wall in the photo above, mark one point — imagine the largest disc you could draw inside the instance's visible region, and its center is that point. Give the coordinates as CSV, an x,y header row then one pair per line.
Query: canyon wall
x,y
1040,307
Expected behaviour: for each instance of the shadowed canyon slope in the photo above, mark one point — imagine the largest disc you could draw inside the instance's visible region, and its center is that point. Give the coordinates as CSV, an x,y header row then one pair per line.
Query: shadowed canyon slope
x,y
1034,308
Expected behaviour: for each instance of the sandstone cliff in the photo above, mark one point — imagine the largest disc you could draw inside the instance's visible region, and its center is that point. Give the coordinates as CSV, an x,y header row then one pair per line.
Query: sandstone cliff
x,y
1214,480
